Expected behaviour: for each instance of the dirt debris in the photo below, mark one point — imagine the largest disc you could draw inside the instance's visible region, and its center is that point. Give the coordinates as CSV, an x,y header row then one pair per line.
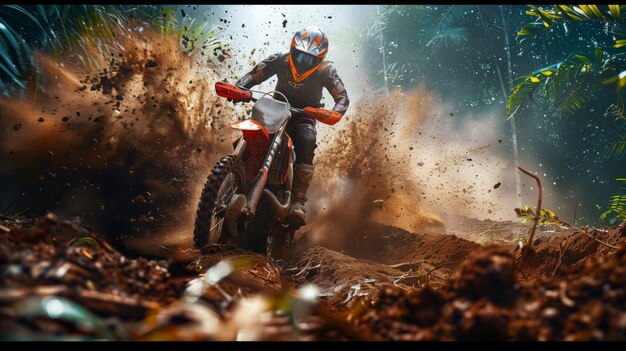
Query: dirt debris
x,y
224,293
485,301
438,288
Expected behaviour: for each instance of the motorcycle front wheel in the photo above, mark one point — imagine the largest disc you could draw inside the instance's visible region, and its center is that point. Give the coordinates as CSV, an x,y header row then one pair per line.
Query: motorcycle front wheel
x,y
226,180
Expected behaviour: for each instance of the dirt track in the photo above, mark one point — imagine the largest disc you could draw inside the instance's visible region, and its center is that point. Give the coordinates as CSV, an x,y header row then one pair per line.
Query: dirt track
x,y
391,285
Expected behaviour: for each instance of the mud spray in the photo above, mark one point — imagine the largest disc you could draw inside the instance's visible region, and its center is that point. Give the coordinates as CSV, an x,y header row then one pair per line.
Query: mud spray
x,y
404,160
126,148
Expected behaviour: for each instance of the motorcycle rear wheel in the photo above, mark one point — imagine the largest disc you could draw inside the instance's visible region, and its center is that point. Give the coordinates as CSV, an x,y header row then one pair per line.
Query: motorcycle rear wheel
x,y
225,180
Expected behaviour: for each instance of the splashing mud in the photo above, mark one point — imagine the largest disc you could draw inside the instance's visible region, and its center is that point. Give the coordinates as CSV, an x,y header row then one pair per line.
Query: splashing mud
x,y
128,147
402,149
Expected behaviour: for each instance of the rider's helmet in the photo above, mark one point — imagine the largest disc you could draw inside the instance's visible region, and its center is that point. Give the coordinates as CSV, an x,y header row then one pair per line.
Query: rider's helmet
x,y
308,49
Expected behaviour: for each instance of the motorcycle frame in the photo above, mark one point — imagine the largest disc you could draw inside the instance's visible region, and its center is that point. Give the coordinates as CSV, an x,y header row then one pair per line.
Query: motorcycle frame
x,y
257,190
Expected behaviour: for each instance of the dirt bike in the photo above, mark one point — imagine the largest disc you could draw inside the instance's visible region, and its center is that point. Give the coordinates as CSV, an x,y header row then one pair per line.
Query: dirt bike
x,y
247,196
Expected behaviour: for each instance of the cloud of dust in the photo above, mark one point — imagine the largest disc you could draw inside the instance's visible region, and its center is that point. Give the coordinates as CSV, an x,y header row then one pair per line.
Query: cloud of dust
x,y
127,148
427,165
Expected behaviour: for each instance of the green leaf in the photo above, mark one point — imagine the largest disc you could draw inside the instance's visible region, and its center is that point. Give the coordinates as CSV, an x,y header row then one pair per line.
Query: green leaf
x,y
545,16
593,11
521,92
622,80
616,149
582,58
615,12
569,12
571,101
598,54
454,36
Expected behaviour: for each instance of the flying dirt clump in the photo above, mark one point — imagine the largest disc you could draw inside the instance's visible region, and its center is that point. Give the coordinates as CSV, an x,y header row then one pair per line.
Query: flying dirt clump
x,y
126,146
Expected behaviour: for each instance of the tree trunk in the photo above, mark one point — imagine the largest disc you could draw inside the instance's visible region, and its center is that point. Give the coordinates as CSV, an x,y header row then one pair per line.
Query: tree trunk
x,y
507,47
382,47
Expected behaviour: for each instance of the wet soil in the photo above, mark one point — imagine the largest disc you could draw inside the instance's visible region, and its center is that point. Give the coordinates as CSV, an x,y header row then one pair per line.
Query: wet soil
x,y
390,284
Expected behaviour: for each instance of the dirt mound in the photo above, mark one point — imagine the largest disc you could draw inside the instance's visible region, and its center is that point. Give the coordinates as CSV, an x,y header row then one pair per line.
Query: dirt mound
x,y
485,302
392,245
569,248
341,277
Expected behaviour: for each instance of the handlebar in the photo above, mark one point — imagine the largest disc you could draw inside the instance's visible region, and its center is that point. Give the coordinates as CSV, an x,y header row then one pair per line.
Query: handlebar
x,y
240,93
297,110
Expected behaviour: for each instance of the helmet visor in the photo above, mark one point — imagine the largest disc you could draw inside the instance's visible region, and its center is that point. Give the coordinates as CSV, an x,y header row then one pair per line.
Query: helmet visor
x,y
303,61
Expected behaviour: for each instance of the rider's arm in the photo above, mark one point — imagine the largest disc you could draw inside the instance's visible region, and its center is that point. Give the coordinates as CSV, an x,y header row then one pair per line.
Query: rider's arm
x,y
337,90
260,73
335,86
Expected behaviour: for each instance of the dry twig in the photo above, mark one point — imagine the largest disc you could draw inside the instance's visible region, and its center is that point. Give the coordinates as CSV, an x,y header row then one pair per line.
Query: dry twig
x,y
561,254
589,235
537,213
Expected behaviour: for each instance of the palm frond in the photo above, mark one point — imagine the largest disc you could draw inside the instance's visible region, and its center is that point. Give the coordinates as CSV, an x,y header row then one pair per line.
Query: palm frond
x,y
522,92
374,27
612,15
569,102
568,84
447,30
452,16
616,206
617,148
73,30
449,36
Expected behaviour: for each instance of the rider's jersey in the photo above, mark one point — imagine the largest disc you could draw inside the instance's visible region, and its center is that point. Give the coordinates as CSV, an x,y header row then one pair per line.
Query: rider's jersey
x,y
307,93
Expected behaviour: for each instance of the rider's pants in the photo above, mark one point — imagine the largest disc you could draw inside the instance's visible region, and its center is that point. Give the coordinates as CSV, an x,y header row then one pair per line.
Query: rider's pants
x,y
304,136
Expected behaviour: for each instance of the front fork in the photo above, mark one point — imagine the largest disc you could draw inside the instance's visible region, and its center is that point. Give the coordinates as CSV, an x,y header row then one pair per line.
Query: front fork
x,y
258,189
254,195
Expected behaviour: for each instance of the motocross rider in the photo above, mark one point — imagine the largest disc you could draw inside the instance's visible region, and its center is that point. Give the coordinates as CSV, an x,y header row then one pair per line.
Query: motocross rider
x,y
301,75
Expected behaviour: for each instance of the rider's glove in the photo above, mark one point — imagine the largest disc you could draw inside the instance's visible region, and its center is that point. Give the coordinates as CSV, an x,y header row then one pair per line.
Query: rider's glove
x,y
238,101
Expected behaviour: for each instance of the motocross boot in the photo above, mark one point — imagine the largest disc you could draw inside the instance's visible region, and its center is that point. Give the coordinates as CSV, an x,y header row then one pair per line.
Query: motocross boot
x,y
302,176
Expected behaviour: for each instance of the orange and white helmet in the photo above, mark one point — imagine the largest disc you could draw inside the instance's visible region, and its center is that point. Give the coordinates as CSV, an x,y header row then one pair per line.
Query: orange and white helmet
x,y
308,49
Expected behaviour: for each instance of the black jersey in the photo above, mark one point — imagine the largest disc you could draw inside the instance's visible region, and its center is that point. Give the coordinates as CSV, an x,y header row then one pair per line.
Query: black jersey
x,y
308,92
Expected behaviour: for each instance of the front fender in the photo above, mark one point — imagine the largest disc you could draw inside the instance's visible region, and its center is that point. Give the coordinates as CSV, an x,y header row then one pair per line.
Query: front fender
x,y
250,124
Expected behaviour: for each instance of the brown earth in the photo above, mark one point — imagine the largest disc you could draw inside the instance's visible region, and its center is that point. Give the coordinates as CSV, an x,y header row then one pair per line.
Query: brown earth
x,y
393,285
128,146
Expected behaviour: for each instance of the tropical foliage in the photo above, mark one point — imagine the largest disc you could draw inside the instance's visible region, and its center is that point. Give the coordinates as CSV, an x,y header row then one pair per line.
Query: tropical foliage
x,y
571,83
617,207
546,217
73,30
412,37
